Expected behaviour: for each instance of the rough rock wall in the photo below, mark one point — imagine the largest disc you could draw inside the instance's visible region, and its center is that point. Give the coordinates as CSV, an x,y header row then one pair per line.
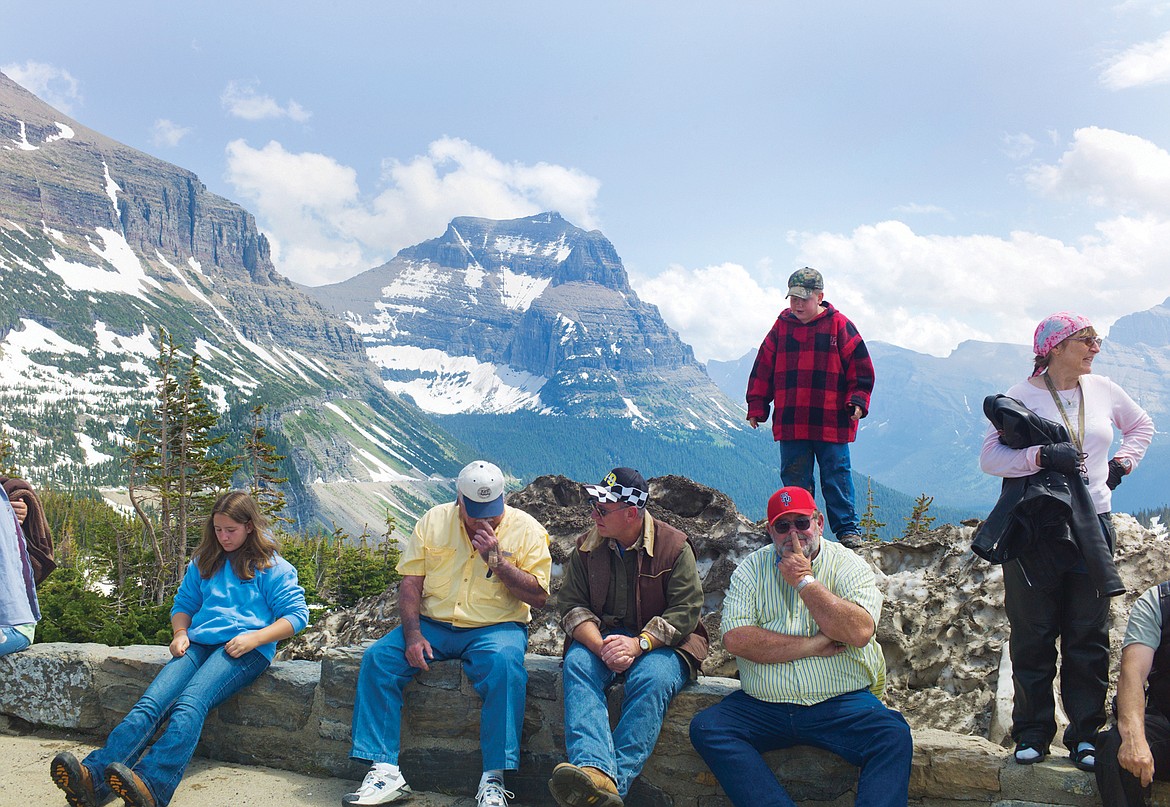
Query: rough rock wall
x,y
943,626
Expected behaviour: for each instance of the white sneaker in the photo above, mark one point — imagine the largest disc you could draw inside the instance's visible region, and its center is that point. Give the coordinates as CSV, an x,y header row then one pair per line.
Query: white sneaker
x,y
492,794
378,788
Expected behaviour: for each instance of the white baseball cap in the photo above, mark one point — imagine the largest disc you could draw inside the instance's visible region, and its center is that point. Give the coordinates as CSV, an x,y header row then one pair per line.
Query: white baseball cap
x,y
481,485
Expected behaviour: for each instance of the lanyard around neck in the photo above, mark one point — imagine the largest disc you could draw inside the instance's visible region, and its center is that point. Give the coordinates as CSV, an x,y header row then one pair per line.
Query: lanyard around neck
x,y
1077,437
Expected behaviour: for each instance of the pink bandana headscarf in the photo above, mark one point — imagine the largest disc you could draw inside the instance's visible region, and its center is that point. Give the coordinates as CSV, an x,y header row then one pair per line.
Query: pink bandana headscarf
x,y
1055,329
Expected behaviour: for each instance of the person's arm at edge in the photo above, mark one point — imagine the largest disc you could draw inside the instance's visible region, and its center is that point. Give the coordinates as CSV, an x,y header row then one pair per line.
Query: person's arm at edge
x,y
418,649
859,372
759,387
523,585
1134,754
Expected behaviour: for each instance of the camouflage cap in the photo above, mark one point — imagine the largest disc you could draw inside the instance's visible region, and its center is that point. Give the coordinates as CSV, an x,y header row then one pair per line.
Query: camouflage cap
x,y
804,283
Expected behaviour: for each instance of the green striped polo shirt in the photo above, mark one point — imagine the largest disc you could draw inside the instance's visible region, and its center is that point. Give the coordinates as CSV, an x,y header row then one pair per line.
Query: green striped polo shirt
x,y
759,596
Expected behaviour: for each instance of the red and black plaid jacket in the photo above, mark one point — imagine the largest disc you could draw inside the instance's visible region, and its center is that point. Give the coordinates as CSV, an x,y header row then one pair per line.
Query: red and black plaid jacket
x,y
811,372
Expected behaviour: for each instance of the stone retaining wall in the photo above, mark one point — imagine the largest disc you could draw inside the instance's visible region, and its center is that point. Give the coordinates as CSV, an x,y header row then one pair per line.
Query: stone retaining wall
x,y
297,717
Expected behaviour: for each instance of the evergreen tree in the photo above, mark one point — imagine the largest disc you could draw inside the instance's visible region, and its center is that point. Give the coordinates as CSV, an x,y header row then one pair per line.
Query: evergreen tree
x,y
260,463
869,523
173,475
918,522
8,456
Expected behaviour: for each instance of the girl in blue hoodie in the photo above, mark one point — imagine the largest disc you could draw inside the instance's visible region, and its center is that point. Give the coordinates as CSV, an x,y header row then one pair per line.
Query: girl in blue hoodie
x,y
237,600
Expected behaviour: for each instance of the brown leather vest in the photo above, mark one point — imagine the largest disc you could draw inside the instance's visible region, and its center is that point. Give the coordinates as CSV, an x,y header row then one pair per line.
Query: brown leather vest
x,y
650,591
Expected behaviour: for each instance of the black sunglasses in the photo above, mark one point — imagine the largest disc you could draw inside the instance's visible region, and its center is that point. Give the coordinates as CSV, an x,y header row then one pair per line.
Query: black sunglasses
x,y
782,527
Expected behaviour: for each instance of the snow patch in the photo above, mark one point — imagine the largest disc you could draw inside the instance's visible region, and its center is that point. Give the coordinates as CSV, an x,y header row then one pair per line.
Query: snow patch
x,y
446,384
517,291
23,144
633,411
63,132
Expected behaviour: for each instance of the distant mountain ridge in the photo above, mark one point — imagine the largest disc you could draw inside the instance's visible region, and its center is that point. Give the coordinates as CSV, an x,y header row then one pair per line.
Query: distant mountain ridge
x,y
556,328
100,245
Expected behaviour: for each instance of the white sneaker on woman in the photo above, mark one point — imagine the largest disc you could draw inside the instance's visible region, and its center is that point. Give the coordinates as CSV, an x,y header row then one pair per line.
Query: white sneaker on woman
x,y
378,788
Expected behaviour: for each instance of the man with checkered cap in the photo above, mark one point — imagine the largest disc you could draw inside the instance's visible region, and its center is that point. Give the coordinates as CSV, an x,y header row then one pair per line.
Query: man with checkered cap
x,y
801,616
629,606
813,370
471,572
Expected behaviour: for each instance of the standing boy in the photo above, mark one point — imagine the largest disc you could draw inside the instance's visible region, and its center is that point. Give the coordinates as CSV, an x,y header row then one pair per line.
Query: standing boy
x,y
814,367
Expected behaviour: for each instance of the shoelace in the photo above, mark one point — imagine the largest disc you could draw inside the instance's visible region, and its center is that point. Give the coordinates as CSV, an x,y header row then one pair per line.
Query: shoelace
x,y
492,794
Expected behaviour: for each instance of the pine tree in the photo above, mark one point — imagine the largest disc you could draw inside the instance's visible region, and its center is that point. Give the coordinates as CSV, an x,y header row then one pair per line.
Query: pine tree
x,y
8,456
869,523
260,463
173,473
918,522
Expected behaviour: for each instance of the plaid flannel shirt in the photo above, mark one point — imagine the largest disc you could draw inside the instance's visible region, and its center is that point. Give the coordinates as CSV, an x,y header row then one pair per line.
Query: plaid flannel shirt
x,y
811,372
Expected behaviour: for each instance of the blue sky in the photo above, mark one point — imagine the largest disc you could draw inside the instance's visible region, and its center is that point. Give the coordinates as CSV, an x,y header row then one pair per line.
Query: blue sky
x,y
956,170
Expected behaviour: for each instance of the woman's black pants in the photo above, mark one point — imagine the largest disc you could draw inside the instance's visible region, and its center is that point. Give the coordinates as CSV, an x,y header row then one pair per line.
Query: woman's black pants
x,y
1071,611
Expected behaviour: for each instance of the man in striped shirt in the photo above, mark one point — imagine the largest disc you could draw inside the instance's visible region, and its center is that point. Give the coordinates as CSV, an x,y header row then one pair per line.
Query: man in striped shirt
x,y
801,615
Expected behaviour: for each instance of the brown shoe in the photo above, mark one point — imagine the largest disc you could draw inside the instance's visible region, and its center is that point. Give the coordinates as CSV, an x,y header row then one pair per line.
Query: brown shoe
x,y
127,785
583,787
73,777
851,540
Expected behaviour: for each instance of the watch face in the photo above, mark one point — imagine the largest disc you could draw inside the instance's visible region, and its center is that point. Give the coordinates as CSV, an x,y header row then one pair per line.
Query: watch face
x,y
642,643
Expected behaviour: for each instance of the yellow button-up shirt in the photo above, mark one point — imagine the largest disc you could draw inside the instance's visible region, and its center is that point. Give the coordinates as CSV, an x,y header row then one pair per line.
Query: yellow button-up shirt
x,y
457,588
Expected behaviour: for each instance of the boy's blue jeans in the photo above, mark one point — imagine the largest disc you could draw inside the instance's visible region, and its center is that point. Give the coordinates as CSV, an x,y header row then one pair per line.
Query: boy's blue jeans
x,y
185,690
796,469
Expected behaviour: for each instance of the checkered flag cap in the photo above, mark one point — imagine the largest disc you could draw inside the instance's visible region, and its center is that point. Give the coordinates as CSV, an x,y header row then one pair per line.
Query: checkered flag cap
x,y
621,485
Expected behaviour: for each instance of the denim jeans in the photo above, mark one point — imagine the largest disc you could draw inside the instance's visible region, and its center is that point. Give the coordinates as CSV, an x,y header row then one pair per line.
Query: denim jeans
x,y
493,658
732,736
796,469
12,640
651,683
185,690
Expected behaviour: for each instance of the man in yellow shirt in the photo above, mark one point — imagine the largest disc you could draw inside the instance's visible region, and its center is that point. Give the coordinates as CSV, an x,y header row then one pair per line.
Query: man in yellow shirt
x,y
471,571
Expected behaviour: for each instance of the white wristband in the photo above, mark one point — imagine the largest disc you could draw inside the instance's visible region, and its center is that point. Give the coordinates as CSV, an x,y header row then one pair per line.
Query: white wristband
x,y
804,581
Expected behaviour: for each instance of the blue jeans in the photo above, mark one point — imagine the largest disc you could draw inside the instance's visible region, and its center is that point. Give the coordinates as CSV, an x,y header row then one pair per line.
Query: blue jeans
x,y
796,469
651,683
732,735
185,690
12,640
493,658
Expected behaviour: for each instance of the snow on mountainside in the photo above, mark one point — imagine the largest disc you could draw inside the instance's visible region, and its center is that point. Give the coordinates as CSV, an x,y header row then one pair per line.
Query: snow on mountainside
x,y
100,245
527,314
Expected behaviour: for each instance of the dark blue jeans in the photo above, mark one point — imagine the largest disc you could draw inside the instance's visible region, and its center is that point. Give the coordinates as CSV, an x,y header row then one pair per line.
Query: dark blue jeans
x,y
796,469
185,691
733,735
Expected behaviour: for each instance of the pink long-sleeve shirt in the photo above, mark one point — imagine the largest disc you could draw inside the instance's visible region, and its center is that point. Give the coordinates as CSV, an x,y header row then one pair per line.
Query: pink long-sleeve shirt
x,y
1106,405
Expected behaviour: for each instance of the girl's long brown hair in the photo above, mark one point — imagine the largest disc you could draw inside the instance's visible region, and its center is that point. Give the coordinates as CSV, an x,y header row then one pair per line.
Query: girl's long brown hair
x,y
258,548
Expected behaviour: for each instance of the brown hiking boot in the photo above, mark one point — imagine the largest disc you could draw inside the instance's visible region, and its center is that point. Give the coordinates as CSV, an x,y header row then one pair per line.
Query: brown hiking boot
x,y
73,777
583,787
851,540
127,785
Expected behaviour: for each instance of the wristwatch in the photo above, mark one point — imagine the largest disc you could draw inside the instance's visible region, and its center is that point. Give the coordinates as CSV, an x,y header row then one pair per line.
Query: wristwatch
x,y
804,581
1126,463
644,643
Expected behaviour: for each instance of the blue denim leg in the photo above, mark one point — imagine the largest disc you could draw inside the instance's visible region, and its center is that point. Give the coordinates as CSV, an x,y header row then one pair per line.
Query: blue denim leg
x,y
12,641
493,657
587,737
184,691
377,706
837,487
651,683
796,464
732,735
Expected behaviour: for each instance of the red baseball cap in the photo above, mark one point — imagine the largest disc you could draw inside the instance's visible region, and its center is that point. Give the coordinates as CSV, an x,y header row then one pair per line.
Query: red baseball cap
x,y
790,500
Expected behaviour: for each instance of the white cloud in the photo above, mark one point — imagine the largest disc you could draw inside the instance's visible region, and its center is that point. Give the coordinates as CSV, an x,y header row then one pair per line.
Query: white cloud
x,y
167,133
1142,64
930,292
1018,146
721,311
1109,168
244,101
53,85
324,229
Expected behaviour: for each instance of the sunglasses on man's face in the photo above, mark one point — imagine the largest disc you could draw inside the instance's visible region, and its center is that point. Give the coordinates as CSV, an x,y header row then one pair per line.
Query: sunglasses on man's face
x,y
782,527
602,512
